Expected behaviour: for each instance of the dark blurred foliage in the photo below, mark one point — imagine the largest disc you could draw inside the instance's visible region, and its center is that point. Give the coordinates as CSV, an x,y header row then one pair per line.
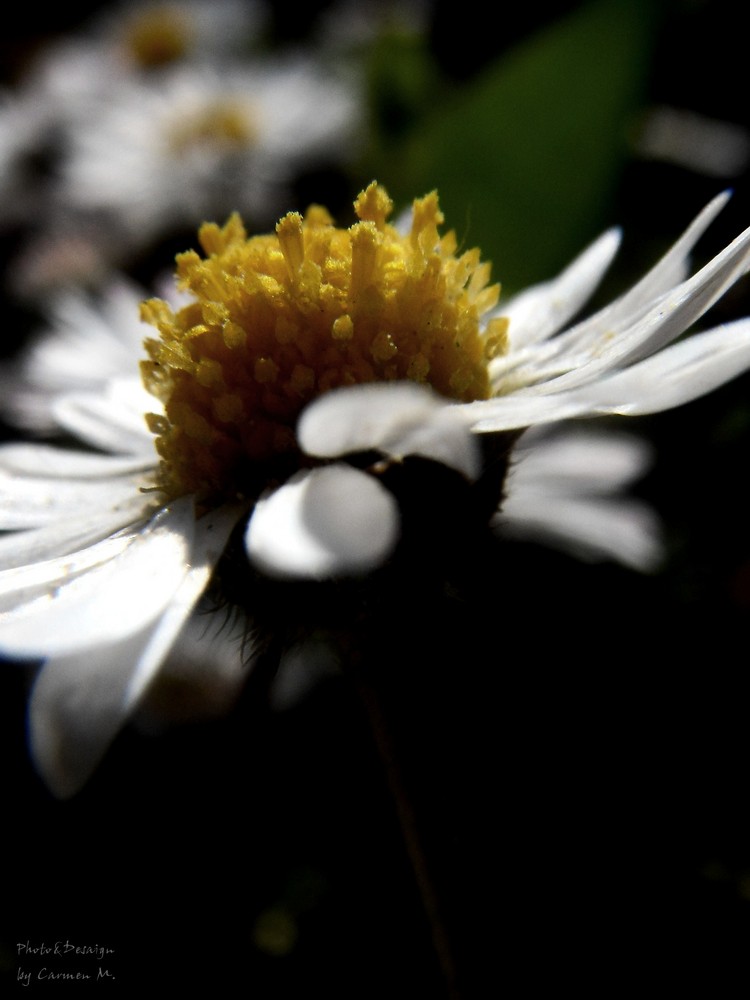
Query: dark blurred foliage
x,y
575,735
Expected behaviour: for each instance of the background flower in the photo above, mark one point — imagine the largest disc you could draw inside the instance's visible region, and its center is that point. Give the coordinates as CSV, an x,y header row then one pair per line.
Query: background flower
x,y
197,143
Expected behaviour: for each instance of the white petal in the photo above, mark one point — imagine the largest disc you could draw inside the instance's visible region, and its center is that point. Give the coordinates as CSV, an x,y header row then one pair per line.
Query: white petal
x,y
591,528
444,438
105,421
80,700
560,491
663,323
27,502
21,584
516,411
666,273
77,707
599,461
396,418
19,548
211,534
107,332
676,375
539,311
110,602
38,460
548,306
363,417
654,311
333,521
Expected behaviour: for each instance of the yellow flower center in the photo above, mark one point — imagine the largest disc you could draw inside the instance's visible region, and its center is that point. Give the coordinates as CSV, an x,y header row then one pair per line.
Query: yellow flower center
x,y
279,319
158,37
220,125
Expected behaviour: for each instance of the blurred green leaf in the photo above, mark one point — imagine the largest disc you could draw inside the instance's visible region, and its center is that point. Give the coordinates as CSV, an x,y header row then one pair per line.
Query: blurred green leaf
x,y
526,157
402,79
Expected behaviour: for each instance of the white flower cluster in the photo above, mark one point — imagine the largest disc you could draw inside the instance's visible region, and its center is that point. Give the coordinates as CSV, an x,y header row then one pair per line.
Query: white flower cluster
x,y
158,117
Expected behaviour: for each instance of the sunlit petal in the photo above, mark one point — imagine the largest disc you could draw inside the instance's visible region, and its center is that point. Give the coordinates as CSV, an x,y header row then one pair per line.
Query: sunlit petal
x,y
81,697
539,311
333,521
111,601
626,531
68,534
399,419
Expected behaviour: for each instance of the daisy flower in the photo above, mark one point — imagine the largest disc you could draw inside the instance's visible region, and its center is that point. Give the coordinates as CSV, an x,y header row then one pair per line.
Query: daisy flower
x,y
314,377
198,142
68,79
155,33
137,38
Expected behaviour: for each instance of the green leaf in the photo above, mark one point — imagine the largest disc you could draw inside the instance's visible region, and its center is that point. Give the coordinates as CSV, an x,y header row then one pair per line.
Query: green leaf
x,y
527,156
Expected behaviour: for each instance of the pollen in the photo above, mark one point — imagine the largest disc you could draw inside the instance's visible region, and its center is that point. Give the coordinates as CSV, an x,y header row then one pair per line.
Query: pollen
x,y
278,319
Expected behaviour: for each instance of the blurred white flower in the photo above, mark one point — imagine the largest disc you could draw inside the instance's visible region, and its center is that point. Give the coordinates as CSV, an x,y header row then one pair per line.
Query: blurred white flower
x,y
199,142
281,393
69,79
136,40
153,33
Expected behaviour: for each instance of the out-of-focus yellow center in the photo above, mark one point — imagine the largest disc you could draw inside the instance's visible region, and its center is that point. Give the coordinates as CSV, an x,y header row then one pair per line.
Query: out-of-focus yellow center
x,y
158,36
279,319
220,125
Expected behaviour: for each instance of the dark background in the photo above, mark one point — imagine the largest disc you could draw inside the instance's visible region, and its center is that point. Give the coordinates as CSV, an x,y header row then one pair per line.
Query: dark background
x,y
574,736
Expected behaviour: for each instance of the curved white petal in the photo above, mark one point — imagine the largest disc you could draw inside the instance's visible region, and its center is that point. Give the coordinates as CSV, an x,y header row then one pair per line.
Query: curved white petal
x,y
108,332
106,420
443,438
674,313
40,460
676,375
654,311
516,412
670,270
110,601
21,584
69,534
592,528
77,707
81,698
540,311
363,417
396,418
211,534
599,461
29,502
562,490
332,521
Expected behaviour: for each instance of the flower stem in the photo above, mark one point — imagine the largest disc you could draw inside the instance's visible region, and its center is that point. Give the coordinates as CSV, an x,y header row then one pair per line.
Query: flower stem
x,y
410,831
